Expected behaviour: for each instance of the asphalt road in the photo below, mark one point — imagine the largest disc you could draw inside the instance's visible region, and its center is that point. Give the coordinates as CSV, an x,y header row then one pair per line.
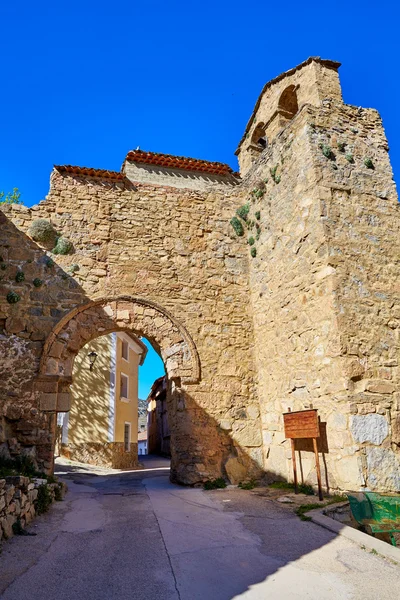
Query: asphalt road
x,y
136,536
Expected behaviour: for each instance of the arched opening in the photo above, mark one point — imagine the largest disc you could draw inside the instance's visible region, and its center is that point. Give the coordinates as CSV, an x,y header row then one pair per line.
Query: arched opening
x,y
259,139
113,418
127,319
287,105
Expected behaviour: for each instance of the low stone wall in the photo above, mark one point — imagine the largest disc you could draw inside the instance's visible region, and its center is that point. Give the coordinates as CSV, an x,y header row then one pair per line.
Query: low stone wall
x,y
99,454
18,499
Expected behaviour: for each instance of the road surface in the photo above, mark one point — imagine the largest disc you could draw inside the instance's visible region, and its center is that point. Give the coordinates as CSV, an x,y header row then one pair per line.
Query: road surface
x,y
134,535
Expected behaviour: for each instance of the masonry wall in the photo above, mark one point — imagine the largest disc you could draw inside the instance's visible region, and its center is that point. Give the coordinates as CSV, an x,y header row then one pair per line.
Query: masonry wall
x,y
174,247
325,295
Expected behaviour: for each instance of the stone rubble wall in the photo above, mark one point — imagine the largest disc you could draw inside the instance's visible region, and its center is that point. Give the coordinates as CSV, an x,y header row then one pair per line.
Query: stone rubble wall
x,y
18,496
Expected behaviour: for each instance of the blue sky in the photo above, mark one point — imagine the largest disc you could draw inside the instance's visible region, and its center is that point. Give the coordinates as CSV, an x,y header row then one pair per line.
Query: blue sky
x,y
151,369
84,82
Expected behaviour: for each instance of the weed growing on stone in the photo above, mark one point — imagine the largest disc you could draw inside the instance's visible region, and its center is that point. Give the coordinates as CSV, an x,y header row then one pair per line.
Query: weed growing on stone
x,y
303,488
63,246
215,484
304,508
43,500
13,297
237,226
243,211
327,151
42,231
368,163
247,485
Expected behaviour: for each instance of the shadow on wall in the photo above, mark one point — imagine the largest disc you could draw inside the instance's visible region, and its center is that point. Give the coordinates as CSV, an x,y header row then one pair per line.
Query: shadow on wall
x,y
44,323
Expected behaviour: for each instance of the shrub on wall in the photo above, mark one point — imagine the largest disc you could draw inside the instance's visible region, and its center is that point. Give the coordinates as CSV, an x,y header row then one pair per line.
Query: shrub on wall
x,y
13,297
63,246
237,226
42,231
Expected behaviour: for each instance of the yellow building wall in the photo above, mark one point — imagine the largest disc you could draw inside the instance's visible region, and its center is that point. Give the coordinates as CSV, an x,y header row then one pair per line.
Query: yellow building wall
x,y
89,414
126,411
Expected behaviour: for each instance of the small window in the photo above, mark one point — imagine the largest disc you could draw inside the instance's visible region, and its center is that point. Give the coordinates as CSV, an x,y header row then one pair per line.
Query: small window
x,y
127,437
124,386
125,350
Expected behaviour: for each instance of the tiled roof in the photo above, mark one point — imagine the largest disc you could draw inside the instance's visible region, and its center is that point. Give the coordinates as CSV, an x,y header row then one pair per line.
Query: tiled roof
x,y
142,436
178,162
88,172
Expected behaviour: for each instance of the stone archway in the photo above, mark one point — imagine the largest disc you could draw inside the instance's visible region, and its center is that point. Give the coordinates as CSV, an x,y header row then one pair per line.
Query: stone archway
x,y
136,315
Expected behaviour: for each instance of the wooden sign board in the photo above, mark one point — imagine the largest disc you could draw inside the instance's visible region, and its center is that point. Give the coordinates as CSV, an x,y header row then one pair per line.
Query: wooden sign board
x,y
301,424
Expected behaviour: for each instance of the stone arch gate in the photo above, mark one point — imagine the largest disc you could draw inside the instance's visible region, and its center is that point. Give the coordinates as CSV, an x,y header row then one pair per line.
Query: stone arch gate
x,y
142,318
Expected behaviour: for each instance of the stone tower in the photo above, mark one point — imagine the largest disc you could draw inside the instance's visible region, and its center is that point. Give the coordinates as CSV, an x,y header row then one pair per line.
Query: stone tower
x,y
324,275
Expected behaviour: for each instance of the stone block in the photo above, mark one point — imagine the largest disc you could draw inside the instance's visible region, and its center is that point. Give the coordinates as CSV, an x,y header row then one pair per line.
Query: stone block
x,y
369,428
48,402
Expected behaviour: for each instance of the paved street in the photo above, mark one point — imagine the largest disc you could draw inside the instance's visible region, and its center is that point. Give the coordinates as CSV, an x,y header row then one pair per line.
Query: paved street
x,y
135,536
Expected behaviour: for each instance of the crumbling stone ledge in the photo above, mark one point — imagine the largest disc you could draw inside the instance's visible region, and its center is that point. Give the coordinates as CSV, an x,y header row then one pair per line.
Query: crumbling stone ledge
x,y
19,501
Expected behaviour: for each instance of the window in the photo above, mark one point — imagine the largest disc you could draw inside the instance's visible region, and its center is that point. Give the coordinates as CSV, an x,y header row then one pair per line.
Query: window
x,y
127,437
125,350
123,392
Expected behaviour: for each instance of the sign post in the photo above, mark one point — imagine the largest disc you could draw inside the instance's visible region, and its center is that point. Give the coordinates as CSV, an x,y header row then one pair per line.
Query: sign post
x,y
300,425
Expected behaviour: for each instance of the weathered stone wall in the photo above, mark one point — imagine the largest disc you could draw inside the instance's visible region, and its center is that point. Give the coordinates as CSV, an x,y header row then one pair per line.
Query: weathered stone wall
x,y
172,247
18,497
325,294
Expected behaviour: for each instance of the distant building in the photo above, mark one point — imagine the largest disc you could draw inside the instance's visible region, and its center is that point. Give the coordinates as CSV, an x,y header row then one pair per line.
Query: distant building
x,y
142,443
101,427
157,419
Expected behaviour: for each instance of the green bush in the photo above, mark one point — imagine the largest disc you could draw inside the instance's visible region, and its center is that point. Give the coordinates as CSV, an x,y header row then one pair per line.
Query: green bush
x,y
43,500
63,246
243,211
20,276
13,297
37,282
248,485
327,151
349,158
251,241
368,163
42,231
214,484
258,215
49,263
237,226
13,197
253,251
274,176
341,146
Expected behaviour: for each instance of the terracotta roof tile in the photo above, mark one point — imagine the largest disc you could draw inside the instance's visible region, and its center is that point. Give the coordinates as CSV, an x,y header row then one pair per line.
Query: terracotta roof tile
x,y
88,172
178,162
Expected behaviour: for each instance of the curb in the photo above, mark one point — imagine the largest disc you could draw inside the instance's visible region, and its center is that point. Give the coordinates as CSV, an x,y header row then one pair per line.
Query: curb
x,y
319,517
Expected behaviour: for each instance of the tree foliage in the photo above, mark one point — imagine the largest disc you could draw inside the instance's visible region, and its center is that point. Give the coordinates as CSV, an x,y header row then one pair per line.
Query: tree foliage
x,y
13,197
